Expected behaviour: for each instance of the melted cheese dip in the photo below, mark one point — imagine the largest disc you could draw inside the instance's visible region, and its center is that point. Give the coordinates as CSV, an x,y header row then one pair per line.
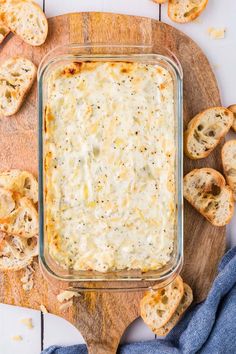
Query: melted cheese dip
x,y
110,166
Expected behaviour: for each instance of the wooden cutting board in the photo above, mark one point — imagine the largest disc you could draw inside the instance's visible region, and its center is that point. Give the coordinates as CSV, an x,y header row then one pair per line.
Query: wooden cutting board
x,y
103,317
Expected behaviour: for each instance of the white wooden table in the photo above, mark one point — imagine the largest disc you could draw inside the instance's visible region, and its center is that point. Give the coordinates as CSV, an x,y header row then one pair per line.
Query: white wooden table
x,y
50,329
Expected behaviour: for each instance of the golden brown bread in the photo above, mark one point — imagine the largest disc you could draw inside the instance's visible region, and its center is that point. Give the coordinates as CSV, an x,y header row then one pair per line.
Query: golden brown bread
x,y
183,11
206,190
16,252
7,202
4,31
232,108
22,182
17,75
159,1
26,19
185,302
229,164
22,220
157,306
205,131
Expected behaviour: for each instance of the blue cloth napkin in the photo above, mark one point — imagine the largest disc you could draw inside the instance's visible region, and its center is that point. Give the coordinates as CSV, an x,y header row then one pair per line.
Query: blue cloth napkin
x,y
208,328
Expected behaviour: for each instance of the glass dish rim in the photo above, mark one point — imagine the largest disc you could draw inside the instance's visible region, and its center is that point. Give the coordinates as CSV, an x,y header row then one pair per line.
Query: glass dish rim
x,y
179,198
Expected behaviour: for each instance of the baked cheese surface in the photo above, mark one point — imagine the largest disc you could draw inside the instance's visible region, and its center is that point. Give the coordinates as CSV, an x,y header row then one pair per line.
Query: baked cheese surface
x,y
110,166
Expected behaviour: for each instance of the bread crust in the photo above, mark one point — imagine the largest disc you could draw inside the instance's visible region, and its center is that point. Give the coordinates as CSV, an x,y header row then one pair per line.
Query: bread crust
x,y
228,154
232,108
189,15
207,195
155,301
159,1
22,220
183,305
11,86
20,181
192,132
4,31
15,7
16,253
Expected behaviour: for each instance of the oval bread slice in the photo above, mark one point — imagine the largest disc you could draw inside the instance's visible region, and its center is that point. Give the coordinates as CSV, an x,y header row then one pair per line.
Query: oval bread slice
x,y
183,11
17,75
229,164
206,190
26,19
22,182
232,108
205,131
16,252
185,302
22,220
157,306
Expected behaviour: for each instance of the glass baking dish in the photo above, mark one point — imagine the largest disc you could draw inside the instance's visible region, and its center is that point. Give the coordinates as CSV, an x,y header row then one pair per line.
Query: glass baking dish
x,y
122,279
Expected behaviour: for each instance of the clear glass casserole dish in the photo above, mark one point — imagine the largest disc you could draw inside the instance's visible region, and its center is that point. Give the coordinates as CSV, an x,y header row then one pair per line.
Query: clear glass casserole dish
x,y
120,279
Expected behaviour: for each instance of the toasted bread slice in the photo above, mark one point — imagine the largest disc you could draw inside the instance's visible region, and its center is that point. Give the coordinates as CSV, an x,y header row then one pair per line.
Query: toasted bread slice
x,y
26,19
159,1
4,31
185,302
232,108
157,306
183,11
206,190
16,78
7,202
3,4
206,130
21,182
23,220
17,252
229,164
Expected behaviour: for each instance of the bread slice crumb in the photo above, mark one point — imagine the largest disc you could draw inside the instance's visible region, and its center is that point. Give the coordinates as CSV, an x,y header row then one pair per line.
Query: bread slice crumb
x,y
158,306
26,19
66,305
27,322
17,338
14,89
216,33
43,309
67,295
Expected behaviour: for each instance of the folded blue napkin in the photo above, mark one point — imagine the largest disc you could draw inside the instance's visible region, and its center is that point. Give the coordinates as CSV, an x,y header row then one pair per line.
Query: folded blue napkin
x,y
208,328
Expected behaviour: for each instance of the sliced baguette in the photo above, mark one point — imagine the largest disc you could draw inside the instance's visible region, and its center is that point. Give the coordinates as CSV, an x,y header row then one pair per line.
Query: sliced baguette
x,y
159,1
7,202
4,31
17,75
16,252
23,220
232,108
183,11
205,131
185,302
229,164
206,190
21,182
26,19
157,306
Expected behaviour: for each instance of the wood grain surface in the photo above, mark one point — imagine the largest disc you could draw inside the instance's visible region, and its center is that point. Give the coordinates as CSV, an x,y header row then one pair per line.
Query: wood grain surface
x,y
103,317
